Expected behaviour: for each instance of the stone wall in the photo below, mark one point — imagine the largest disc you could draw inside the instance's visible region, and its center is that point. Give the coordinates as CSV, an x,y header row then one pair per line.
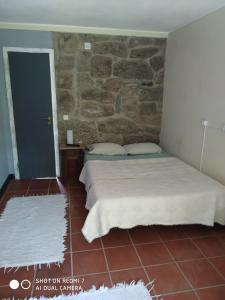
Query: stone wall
x,y
112,92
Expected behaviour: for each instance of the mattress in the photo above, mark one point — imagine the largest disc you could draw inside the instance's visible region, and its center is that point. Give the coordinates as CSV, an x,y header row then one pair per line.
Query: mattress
x,y
166,191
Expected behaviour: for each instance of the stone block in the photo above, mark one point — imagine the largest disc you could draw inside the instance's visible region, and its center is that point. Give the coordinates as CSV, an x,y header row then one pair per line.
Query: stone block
x,y
132,70
65,101
98,96
147,108
67,42
157,63
111,138
66,62
95,110
117,125
94,38
83,61
101,66
143,53
140,41
159,77
64,80
113,84
152,94
114,48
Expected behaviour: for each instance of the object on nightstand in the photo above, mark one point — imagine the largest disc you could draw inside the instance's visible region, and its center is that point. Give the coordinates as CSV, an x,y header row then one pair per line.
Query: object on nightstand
x,y
69,137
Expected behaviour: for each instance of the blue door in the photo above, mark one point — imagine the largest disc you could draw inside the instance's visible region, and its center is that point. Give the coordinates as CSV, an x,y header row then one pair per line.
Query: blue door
x,y
32,107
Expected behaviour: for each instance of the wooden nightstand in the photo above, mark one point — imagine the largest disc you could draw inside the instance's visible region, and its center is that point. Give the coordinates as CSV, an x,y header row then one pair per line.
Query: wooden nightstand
x,y
71,161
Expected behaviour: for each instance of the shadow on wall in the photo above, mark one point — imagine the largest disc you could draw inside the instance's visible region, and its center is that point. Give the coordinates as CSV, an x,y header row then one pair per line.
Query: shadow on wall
x,y
112,92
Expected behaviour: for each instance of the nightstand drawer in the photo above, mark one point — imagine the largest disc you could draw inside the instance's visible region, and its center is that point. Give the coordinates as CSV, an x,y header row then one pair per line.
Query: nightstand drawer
x,y
71,162
71,153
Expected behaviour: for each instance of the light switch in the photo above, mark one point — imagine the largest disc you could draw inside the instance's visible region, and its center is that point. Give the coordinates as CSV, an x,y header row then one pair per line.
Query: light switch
x,y
65,117
87,46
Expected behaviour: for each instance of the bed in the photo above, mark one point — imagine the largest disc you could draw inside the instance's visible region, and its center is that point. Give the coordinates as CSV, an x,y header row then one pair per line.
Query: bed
x,y
126,191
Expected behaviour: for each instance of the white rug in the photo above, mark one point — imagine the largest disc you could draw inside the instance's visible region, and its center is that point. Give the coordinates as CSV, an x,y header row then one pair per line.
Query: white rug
x,y
32,231
119,292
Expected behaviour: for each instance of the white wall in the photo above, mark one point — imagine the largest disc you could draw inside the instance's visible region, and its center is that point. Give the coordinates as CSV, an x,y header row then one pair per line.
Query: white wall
x,y
195,90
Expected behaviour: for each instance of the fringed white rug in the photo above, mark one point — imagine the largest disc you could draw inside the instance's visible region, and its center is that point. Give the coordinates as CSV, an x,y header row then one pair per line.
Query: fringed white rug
x,y
32,231
119,292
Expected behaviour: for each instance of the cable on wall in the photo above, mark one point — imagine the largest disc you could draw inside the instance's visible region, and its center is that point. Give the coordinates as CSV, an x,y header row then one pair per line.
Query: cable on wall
x,y
205,124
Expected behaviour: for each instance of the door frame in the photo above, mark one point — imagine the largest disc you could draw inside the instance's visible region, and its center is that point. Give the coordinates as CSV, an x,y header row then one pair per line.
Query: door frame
x,y
50,52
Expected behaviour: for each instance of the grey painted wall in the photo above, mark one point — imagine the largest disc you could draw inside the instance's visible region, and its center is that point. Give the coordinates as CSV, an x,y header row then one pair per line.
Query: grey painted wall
x,y
194,90
14,38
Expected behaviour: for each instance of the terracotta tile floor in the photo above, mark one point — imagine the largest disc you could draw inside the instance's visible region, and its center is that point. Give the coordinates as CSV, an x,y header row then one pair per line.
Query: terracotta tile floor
x,y
185,262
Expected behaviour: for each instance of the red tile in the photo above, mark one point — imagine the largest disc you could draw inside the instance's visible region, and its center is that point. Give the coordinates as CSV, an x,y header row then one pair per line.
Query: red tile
x,y
89,262
8,196
7,293
181,296
67,242
77,224
197,230
200,273
55,271
116,237
167,278
37,192
79,243
77,192
75,185
122,258
21,274
11,194
21,184
143,234
79,212
37,184
222,239
152,254
97,280
77,201
56,186
215,293
168,233
54,191
210,246
53,289
183,249
219,263
129,275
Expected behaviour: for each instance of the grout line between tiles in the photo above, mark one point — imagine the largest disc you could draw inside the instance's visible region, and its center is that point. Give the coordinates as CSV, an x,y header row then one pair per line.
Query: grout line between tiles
x,y
210,286
177,265
49,187
28,188
197,289
139,258
70,233
106,261
208,260
33,282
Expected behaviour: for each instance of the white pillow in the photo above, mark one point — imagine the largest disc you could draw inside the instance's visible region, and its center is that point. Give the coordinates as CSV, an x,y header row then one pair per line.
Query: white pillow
x,y
142,148
106,149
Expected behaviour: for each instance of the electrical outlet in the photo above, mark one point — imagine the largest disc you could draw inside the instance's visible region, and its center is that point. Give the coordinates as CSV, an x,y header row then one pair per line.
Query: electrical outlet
x,y
87,46
205,123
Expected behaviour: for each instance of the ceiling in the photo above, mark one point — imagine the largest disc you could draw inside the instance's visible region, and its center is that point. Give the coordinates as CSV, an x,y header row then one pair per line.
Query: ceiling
x,y
139,15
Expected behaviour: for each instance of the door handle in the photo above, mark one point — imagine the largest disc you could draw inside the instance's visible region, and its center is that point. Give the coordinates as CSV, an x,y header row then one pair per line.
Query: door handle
x,y
49,119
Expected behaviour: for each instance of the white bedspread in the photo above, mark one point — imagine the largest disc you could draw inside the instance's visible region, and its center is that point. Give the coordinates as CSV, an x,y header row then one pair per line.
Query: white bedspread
x,y
163,191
